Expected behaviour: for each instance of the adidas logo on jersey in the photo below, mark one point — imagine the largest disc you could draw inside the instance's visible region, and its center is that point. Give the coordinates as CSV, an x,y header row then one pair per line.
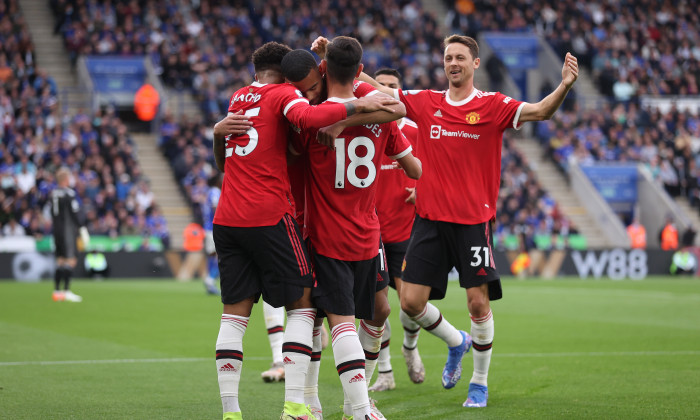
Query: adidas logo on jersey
x,y
357,378
437,114
288,361
228,367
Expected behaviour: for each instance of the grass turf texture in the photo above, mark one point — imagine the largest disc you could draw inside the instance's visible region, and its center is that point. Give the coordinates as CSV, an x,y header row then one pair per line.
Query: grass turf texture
x,y
144,350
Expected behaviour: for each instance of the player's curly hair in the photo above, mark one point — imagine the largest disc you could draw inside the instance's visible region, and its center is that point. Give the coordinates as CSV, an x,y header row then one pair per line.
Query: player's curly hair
x,y
269,56
343,56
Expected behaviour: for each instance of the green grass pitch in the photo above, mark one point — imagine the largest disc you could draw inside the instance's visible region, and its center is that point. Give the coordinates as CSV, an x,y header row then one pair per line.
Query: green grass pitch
x,y
564,349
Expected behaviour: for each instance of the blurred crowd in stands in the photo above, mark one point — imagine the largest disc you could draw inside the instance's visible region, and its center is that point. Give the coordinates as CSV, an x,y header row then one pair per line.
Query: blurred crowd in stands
x,y
666,143
37,138
205,46
525,209
629,48
632,48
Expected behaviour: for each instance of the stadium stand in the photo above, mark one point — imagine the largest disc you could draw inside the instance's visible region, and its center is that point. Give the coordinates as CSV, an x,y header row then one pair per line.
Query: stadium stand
x,y
528,216
205,46
37,139
629,50
630,53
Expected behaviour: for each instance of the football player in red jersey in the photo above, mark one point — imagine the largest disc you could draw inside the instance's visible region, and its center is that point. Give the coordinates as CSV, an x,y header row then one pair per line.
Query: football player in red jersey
x,y
342,223
258,242
301,70
396,210
460,137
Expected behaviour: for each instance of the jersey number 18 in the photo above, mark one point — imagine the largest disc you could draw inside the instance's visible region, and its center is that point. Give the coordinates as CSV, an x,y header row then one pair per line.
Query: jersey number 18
x,y
355,162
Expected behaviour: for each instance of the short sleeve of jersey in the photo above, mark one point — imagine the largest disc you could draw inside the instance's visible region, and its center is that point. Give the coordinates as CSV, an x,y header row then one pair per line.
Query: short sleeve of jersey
x,y
507,111
362,89
397,145
413,100
289,97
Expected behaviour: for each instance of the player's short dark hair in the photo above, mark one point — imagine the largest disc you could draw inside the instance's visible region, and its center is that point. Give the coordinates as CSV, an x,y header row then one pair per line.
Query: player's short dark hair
x,y
468,41
343,56
297,64
269,56
390,72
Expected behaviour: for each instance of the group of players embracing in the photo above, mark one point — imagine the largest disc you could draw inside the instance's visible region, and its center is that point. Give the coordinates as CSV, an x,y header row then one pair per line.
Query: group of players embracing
x,y
320,211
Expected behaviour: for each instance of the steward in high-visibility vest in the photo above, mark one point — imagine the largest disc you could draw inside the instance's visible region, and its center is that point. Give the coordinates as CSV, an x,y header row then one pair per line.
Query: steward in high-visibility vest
x,y
146,103
638,235
669,237
194,237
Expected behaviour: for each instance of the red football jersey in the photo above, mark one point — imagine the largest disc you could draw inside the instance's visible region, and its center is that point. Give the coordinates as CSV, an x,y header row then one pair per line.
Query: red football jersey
x,y
460,148
395,214
297,183
361,89
255,190
341,184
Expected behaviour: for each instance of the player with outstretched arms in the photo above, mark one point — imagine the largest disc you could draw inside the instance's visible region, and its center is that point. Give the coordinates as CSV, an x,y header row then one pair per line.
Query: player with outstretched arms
x,y
460,136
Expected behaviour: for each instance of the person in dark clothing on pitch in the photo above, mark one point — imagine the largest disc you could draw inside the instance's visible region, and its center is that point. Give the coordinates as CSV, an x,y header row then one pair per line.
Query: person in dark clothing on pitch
x,y
68,223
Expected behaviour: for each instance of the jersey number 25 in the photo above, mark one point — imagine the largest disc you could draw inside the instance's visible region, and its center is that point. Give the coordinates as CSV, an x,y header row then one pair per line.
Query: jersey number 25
x,y
252,134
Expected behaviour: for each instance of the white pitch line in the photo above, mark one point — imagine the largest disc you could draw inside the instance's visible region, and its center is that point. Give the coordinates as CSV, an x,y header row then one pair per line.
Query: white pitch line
x,y
209,359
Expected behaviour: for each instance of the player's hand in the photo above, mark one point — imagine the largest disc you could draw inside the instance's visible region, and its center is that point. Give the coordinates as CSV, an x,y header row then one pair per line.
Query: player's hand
x,y
375,103
319,46
235,123
327,135
411,195
569,72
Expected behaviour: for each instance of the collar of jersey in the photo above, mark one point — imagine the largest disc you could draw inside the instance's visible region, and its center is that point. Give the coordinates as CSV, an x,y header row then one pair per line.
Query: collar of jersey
x,y
258,84
340,100
463,101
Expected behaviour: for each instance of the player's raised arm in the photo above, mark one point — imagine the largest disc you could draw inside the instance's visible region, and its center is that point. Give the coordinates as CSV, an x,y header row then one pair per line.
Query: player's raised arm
x,y
545,109
364,77
319,47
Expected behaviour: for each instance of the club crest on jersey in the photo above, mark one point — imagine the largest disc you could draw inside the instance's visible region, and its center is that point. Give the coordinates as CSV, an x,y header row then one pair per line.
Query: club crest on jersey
x,y
473,118
435,131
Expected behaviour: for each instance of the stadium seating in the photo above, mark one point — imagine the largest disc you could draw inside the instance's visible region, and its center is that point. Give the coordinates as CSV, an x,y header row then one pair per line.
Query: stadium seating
x,y
37,139
630,52
206,47
528,217
631,48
